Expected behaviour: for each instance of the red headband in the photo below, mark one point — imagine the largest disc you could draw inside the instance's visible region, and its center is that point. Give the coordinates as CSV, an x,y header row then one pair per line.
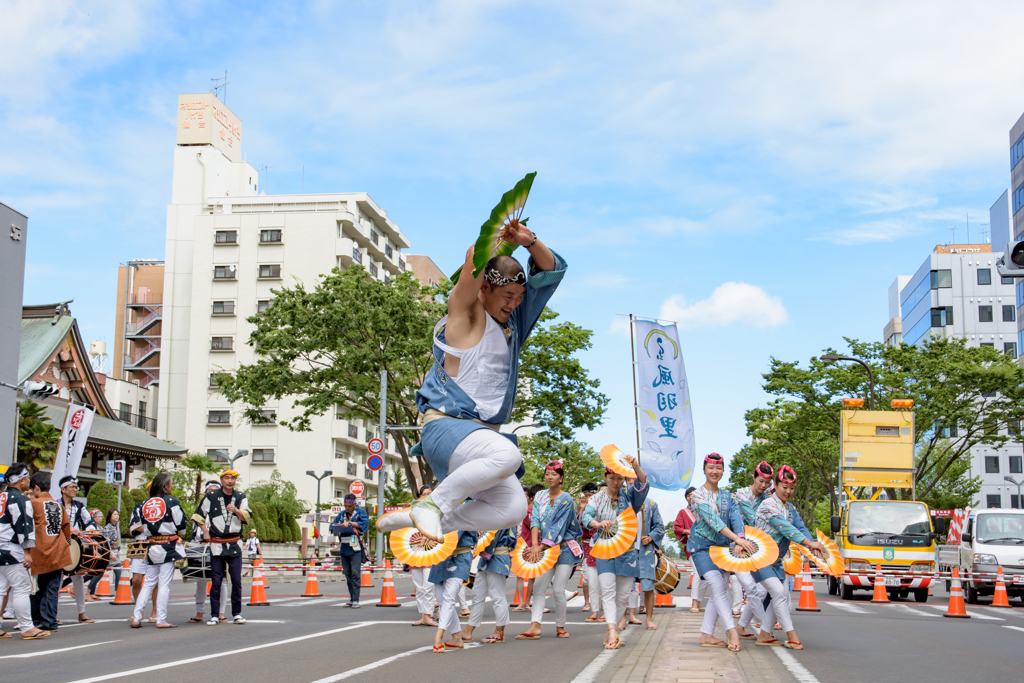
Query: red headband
x,y
764,466
787,469
713,458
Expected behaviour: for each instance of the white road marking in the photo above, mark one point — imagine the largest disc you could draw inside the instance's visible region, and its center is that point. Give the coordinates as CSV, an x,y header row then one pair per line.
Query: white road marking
x,y
597,664
264,621
303,603
798,670
1015,628
192,660
1003,610
53,652
972,614
387,660
910,610
847,607
95,621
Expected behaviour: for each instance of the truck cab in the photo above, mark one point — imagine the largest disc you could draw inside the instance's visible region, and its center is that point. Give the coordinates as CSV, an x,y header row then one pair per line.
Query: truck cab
x,y
993,538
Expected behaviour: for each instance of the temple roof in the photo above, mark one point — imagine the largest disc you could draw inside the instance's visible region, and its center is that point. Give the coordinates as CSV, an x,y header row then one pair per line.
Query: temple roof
x,y
120,438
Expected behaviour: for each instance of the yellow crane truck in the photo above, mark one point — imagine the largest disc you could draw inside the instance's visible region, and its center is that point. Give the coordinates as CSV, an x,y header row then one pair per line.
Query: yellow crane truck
x,y
877,455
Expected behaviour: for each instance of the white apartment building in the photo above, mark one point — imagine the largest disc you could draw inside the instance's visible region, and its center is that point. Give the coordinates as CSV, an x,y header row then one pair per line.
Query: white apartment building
x,y
957,292
227,247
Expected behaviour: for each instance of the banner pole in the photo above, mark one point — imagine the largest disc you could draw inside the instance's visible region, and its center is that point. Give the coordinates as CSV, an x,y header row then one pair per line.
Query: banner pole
x,y
636,401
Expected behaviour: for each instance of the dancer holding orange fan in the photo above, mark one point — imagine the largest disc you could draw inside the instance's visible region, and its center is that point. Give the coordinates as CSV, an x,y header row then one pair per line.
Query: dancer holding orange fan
x,y
613,511
779,519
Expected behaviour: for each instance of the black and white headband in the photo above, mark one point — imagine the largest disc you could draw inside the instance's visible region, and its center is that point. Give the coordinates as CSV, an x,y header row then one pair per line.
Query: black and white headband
x,y
14,479
496,279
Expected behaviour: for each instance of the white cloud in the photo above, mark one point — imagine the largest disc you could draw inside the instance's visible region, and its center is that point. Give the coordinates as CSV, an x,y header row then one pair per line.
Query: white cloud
x,y
620,326
730,303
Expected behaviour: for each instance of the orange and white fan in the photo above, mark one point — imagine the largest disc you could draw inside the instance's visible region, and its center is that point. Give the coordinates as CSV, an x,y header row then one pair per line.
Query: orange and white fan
x,y
416,550
832,563
525,569
484,541
791,562
733,559
615,460
611,543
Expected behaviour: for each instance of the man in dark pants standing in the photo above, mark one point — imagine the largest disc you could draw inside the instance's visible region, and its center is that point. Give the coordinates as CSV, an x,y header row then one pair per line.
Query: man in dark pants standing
x,y
227,510
349,526
51,553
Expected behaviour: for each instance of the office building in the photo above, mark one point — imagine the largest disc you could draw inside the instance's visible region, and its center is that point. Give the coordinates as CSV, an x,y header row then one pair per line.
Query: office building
x,y
13,242
228,246
957,292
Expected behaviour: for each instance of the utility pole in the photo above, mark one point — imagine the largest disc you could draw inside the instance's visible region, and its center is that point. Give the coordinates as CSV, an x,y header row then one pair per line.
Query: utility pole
x,y
382,479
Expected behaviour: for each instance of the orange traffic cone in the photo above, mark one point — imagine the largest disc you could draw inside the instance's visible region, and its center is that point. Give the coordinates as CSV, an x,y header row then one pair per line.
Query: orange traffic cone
x,y
956,598
387,596
581,579
124,587
691,581
366,579
664,601
103,588
515,598
798,579
258,597
880,594
999,598
208,584
808,602
312,586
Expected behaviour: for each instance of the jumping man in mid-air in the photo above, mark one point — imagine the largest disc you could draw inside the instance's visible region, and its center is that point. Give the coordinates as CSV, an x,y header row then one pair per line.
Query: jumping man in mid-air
x,y
469,393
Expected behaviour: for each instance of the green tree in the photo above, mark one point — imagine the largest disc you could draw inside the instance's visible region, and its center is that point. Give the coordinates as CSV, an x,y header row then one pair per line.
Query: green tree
x,y
397,490
581,462
275,505
37,437
195,466
955,488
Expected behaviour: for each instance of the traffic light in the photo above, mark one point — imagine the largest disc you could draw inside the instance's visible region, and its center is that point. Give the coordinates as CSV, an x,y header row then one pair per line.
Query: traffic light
x,y
119,471
1011,263
39,389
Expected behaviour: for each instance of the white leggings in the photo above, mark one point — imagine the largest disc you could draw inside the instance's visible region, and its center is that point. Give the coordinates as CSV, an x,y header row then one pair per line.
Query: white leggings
x,y
156,574
482,467
615,596
594,586
778,608
489,584
756,593
448,615
718,603
78,583
424,590
556,577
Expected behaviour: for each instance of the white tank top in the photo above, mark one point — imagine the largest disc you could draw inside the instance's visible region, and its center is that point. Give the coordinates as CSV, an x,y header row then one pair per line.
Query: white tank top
x,y
483,369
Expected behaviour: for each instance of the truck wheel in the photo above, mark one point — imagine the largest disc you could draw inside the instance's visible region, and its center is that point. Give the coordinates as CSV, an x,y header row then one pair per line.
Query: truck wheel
x,y
903,595
833,586
921,594
949,585
847,592
972,596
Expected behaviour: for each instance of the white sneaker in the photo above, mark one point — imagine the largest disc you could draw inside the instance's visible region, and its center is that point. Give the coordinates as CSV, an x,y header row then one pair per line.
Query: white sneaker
x,y
213,621
238,619
355,605
395,520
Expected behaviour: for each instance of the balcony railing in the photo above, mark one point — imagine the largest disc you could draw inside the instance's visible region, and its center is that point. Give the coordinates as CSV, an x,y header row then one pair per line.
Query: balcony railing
x,y
145,321
134,358
141,421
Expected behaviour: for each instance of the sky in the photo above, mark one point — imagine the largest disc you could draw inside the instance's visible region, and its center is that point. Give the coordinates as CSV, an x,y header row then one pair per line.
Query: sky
x,y
759,172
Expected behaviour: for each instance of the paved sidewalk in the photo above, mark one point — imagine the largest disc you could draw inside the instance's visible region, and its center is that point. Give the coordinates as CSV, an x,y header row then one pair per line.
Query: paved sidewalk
x,y
672,654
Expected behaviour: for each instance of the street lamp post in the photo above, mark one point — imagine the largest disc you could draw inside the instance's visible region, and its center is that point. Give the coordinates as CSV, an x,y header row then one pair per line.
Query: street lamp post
x,y
318,480
1018,484
829,358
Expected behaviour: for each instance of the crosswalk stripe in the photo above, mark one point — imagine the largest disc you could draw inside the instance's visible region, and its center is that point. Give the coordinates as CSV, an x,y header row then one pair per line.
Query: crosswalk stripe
x,y
910,610
1015,628
943,608
847,607
1003,610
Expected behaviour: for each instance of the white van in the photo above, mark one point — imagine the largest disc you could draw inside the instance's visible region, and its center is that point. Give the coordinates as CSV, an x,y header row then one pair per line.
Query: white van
x,y
993,538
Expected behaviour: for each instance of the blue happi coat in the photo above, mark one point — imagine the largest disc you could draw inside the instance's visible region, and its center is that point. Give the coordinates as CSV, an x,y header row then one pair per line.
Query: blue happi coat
x,y
626,564
782,522
499,564
455,566
440,392
655,528
557,523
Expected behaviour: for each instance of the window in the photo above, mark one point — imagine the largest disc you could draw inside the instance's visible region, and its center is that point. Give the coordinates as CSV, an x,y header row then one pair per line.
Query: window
x,y
1009,313
984,314
953,432
357,255
1015,501
125,413
340,451
942,316
1010,349
1017,152
270,236
991,464
1013,429
368,474
1015,463
993,500
1018,199
1003,280
387,279
226,237
217,454
373,269
219,417
941,279
224,272
353,431
374,236
984,276
401,265
263,455
270,271
214,383
142,412
269,416
222,344
350,469
388,251
223,307
369,435
262,305
991,345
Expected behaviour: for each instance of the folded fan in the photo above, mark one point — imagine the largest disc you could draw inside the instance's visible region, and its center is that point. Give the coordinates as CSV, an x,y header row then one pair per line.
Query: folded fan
x,y
416,550
791,562
491,241
615,460
611,543
733,559
832,562
484,541
525,569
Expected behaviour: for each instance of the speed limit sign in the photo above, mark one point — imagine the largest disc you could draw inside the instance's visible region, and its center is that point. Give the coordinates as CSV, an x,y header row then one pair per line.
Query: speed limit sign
x,y
375,446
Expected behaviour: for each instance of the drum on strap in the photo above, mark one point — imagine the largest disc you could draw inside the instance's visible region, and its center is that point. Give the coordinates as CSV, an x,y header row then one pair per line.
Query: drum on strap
x,y
197,565
666,577
90,555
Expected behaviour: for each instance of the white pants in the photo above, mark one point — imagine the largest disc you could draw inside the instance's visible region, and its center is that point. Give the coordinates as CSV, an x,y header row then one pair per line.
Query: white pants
x,y
78,583
448,615
556,577
594,586
718,603
482,467
424,590
754,609
615,596
697,592
156,574
15,577
201,585
778,608
489,584
634,597
463,602
735,594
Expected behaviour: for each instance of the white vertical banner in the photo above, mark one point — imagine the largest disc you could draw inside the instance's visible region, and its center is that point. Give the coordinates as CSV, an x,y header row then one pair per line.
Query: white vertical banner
x,y
663,398
73,436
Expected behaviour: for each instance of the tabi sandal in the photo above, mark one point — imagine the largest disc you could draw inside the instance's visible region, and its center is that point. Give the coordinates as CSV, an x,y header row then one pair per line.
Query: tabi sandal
x,y
793,645
493,640
528,636
774,642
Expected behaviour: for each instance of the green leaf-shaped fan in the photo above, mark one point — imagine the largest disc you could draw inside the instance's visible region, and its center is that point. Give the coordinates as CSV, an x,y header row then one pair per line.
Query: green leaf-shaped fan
x,y
490,243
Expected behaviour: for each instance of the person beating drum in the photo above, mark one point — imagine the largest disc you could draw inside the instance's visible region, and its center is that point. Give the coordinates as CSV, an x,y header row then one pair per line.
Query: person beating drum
x,y
81,520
